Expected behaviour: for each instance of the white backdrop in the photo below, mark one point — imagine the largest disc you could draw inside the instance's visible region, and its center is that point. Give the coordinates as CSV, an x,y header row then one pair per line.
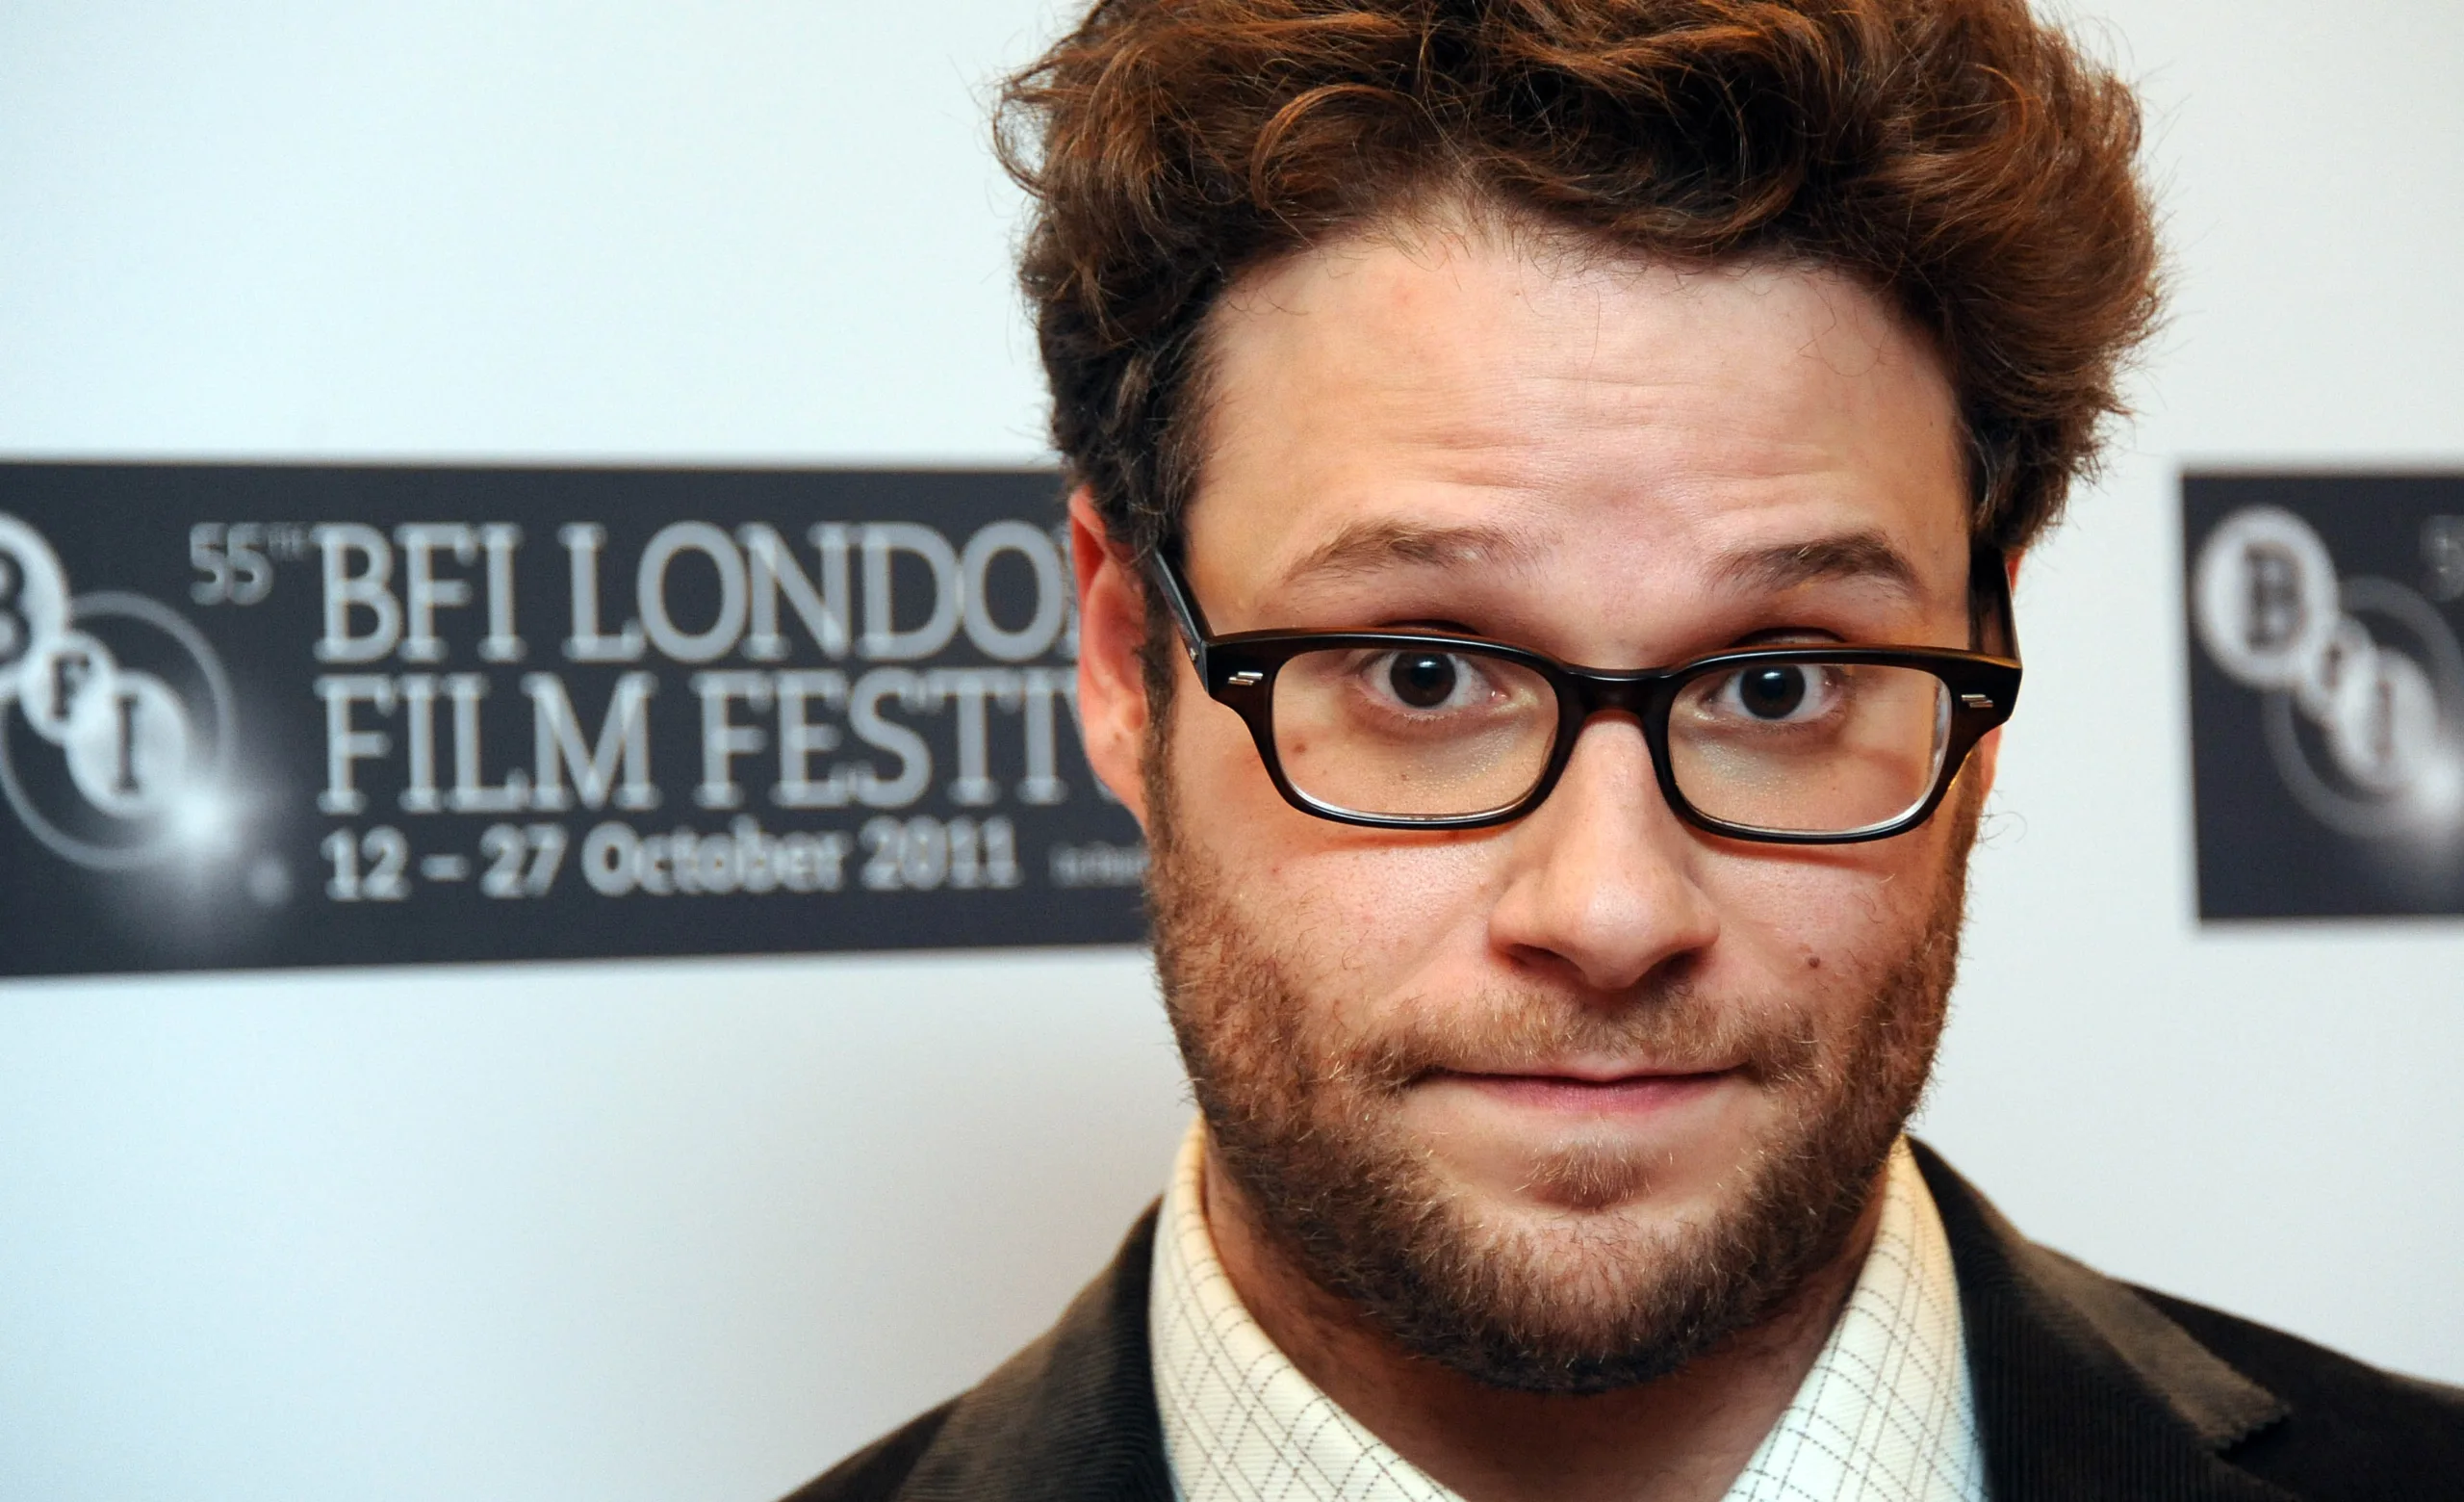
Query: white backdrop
x,y
649,1231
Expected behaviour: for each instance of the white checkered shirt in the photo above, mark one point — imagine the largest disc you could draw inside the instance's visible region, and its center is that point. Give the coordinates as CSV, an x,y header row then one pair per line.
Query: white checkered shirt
x,y
1885,1415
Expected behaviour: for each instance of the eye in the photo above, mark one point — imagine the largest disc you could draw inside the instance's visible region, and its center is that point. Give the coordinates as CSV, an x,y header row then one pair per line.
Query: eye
x,y
1771,692
1778,693
1426,685
1423,680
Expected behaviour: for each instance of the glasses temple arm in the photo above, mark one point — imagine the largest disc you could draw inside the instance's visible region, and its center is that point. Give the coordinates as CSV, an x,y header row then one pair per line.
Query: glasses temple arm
x,y
1184,610
1990,589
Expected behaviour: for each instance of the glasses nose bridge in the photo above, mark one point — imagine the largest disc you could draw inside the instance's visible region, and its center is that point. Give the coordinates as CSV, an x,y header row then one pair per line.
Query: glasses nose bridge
x,y
1597,692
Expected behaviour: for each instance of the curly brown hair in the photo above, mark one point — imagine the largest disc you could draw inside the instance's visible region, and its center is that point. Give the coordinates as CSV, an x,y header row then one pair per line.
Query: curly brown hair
x,y
1961,157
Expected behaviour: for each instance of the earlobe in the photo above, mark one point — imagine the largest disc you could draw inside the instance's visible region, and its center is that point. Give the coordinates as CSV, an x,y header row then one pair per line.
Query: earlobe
x,y
1112,629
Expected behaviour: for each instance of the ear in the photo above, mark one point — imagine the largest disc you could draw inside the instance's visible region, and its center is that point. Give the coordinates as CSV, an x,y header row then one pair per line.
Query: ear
x,y
1112,627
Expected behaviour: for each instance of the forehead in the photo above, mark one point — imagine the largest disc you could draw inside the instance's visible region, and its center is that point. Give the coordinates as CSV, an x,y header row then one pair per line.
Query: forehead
x,y
1597,417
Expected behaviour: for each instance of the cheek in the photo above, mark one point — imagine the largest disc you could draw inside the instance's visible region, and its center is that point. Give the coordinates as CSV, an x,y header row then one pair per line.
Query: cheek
x,y
1377,912
1823,926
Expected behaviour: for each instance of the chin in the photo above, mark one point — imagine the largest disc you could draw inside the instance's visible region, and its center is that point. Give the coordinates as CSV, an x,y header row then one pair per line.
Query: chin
x,y
1533,1294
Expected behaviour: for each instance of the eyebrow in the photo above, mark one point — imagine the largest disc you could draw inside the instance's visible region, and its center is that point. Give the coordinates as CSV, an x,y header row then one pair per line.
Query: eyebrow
x,y
1365,547
1866,556
1370,546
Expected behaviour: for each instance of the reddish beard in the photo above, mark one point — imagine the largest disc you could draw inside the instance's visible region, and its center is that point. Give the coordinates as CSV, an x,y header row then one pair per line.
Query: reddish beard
x,y
1305,1118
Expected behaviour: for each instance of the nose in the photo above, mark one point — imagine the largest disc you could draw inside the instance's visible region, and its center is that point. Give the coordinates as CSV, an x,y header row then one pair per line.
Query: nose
x,y
1602,879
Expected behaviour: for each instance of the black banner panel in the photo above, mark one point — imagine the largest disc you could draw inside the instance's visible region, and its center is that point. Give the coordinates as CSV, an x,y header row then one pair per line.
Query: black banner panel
x,y
282,715
2326,692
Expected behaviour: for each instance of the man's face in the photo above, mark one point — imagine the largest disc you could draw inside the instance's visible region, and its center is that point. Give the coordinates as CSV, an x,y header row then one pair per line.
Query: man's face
x,y
1559,1103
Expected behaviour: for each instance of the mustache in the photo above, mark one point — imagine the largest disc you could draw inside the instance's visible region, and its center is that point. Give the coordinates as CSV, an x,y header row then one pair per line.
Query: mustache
x,y
1674,1027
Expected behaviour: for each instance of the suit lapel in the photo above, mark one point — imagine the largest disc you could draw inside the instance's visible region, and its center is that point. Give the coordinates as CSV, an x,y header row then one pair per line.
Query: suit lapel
x,y
1071,1419
2083,1389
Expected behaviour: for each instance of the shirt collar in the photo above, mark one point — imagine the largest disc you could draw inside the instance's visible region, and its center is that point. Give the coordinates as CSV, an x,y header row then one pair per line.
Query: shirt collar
x,y
1886,1410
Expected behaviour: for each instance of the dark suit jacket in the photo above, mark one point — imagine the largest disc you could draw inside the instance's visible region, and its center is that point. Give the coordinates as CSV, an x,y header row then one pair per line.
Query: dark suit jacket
x,y
2085,1388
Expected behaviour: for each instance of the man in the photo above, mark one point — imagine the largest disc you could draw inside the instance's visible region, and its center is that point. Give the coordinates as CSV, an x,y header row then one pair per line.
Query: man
x,y
1548,473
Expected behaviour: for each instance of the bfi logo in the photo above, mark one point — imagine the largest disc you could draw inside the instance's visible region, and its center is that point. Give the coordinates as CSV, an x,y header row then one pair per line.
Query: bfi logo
x,y
2363,678
142,747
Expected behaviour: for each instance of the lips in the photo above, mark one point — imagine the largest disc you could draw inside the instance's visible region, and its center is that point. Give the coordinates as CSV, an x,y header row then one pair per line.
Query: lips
x,y
1593,1092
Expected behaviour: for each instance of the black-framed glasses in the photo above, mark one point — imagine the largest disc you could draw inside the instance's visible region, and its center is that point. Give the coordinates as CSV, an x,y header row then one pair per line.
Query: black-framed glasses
x,y
1812,744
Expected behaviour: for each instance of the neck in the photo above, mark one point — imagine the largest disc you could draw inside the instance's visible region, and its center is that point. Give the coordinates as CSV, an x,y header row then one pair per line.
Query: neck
x,y
1682,1438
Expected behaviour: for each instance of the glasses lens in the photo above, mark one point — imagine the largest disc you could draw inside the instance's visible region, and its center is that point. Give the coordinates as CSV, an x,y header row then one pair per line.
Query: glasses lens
x,y
1412,733
1808,747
